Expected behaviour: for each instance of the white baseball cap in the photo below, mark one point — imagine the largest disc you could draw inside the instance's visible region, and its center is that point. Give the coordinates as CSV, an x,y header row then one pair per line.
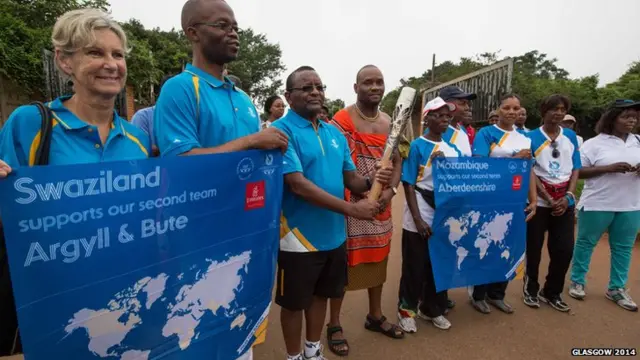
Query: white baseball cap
x,y
436,104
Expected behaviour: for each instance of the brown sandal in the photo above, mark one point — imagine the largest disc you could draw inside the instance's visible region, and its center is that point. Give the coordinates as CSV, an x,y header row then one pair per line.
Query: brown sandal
x,y
334,344
375,325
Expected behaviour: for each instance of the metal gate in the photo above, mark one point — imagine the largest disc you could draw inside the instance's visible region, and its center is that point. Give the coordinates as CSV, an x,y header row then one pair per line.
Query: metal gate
x,y
489,83
56,85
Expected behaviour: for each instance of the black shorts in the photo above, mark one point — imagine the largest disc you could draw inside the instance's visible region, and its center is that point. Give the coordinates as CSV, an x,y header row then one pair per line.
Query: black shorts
x,y
301,276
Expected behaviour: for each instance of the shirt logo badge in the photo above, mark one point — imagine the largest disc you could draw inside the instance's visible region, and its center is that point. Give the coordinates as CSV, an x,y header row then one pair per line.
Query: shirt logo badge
x,y
334,143
254,195
554,169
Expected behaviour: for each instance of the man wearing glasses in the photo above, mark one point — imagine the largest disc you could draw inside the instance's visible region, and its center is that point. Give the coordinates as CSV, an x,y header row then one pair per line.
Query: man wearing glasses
x,y
317,166
200,111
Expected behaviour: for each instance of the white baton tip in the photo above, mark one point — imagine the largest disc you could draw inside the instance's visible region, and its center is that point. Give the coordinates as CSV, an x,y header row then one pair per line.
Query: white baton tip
x,y
407,93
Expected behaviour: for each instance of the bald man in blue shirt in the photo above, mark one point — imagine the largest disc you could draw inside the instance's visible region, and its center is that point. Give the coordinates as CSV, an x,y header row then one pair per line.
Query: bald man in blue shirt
x,y
200,111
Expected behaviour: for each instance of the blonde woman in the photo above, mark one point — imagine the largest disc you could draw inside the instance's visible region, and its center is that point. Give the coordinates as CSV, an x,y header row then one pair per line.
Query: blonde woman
x,y
90,50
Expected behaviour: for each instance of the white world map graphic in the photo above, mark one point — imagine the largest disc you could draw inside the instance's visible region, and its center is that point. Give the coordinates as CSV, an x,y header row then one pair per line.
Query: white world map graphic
x,y
484,234
214,289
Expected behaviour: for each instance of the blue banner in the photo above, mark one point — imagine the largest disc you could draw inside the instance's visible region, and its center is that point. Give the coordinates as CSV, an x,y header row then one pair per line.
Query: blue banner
x,y
163,258
479,228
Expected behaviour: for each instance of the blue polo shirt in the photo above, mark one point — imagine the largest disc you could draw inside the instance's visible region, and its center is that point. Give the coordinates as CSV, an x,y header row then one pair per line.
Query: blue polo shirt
x,y
196,110
321,154
73,141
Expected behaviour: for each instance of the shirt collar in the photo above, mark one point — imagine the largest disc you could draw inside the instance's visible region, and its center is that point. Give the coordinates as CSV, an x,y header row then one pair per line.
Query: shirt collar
x,y
70,121
548,137
631,138
208,78
300,121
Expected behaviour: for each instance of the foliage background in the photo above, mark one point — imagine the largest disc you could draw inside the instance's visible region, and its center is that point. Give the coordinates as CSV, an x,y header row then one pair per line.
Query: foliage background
x,y
535,76
25,29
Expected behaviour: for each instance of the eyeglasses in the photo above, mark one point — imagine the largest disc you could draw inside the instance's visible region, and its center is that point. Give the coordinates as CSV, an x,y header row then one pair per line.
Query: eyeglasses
x,y
222,25
555,152
309,88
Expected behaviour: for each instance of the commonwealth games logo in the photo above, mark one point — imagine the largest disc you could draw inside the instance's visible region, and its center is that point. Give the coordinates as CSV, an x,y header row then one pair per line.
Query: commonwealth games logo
x,y
245,168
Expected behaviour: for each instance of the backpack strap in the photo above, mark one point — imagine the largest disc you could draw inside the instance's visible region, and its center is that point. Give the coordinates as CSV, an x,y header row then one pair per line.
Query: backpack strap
x,y
43,137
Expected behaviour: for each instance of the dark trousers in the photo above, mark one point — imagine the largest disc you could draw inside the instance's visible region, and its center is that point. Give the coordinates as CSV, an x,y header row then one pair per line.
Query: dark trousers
x,y
494,291
417,285
559,244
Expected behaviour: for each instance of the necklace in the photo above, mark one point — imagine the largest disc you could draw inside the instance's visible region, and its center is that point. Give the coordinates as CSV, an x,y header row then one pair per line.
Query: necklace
x,y
364,117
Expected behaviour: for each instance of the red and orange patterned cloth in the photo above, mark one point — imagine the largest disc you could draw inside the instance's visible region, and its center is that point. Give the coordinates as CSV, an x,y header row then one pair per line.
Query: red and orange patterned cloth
x,y
367,241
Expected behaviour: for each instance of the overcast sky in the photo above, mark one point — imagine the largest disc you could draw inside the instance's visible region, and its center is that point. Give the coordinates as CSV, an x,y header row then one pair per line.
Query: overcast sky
x,y
337,37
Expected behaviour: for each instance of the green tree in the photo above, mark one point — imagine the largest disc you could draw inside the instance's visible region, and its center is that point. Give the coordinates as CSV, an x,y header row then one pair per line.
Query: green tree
x,y
154,54
628,85
334,106
444,72
535,76
258,66
25,30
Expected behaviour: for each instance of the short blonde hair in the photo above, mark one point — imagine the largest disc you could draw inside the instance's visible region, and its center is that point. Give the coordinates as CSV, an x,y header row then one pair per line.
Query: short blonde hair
x,y
75,29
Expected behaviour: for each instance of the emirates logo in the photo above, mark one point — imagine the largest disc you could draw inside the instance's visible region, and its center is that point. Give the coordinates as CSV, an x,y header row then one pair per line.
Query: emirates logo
x,y
255,195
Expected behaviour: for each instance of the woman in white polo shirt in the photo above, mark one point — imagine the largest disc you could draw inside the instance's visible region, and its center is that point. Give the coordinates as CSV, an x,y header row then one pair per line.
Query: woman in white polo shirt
x,y
557,161
502,140
610,200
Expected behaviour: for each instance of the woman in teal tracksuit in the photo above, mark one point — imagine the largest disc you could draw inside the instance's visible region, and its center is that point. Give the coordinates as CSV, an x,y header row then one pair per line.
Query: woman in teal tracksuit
x,y
610,200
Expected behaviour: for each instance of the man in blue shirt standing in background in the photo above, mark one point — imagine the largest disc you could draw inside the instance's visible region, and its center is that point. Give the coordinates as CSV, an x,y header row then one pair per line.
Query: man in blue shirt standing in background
x,y
317,166
143,119
200,111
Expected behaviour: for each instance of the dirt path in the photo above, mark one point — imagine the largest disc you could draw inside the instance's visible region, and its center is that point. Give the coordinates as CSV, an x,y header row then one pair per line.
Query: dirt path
x,y
526,334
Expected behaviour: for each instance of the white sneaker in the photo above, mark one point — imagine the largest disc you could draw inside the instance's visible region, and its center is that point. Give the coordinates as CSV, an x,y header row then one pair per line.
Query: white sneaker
x,y
317,356
576,291
622,298
407,324
440,322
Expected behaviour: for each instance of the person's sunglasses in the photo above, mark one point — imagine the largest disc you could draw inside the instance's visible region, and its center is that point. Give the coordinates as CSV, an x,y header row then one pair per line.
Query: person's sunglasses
x,y
555,152
222,25
309,88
